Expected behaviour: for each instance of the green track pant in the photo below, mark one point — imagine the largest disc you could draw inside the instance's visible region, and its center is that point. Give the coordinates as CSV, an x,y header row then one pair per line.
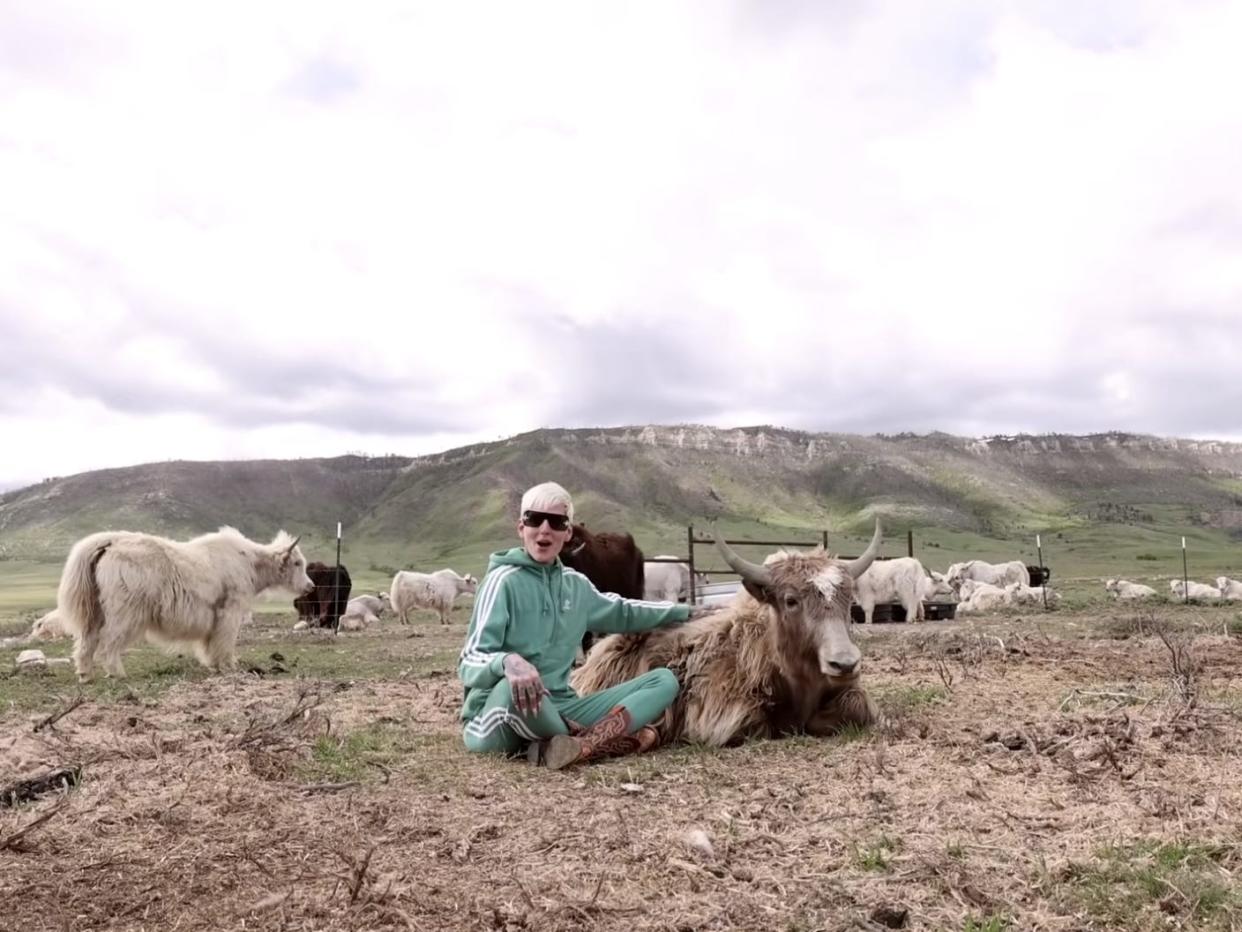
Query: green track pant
x,y
500,727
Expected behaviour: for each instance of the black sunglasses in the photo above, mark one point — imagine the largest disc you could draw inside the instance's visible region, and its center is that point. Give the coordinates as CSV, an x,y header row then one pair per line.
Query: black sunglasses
x,y
536,518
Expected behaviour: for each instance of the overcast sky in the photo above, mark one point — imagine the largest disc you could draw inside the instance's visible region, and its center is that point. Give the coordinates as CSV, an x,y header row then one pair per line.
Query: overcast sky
x,y
238,230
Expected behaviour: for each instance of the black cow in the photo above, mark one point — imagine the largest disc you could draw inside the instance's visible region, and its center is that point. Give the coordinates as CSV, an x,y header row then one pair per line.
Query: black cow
x,y
612,561
325,604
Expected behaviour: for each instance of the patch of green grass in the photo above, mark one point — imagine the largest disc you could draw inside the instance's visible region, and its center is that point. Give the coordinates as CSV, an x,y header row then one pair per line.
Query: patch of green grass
x,y
900,699
955,850
989,924
877,855
1141,884
360,755
851,733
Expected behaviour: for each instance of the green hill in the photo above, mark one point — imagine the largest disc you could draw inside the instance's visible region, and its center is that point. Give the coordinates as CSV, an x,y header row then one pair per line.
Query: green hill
x,y
1105,504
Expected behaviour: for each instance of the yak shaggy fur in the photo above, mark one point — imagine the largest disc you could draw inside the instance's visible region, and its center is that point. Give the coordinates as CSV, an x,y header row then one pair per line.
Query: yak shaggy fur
x,y
118,586
751,670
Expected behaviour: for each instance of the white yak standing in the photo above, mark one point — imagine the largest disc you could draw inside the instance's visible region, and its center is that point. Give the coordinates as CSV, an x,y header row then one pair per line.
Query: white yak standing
x,y
118,586
902,579
436,591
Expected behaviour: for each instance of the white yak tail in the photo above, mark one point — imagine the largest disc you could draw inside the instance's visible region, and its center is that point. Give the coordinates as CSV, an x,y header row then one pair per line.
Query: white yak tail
x,y
78,595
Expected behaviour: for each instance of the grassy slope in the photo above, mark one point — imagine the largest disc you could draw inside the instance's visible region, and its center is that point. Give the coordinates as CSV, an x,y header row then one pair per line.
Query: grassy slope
x,y
1115,509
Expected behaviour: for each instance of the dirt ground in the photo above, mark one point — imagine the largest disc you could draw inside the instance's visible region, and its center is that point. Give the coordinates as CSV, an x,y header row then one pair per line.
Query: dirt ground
x,y
1076,770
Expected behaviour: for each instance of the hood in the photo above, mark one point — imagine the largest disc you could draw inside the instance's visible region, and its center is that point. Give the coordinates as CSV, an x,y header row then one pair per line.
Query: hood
x,y
518,556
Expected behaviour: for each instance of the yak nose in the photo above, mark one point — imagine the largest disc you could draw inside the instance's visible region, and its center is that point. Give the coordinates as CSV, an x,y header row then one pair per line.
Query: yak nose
x,y
842,667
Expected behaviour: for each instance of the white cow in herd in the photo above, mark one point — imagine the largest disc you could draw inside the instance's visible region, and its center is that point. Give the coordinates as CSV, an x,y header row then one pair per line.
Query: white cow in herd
x,y
364,610
1197,590
118,586
668,582
1126,591
996,574
1030,595
436,591
1229,588
901,580
982,597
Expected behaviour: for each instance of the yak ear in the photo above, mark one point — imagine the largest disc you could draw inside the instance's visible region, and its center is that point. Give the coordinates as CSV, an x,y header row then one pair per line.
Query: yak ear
x,y
758,591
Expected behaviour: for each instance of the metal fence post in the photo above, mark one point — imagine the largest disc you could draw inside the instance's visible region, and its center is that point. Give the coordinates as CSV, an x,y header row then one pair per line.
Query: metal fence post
x,y
1185,576
690,551
336,581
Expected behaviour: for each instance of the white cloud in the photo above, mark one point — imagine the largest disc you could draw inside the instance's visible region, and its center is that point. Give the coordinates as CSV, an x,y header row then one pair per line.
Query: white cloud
x,y
248,230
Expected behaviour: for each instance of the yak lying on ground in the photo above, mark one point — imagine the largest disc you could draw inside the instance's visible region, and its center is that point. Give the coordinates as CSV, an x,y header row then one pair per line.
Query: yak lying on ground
x,y
777,660
118,586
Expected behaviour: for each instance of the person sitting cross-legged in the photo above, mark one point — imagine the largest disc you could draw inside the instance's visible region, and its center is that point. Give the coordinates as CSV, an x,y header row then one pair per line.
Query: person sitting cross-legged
x,y
529,616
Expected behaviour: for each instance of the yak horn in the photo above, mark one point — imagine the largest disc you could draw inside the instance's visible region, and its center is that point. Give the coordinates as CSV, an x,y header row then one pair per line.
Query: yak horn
x,y
858,566
294,544
751,572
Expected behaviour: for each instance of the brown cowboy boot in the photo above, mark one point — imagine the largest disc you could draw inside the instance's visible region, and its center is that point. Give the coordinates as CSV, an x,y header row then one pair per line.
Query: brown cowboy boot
x,y
609,737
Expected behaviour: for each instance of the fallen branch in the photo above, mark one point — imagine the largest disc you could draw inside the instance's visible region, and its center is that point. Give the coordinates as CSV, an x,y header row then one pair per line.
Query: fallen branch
x,y
13,840
322,787
58,715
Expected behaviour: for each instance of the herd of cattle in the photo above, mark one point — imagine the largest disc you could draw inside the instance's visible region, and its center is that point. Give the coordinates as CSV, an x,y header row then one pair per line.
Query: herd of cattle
x,y
118,587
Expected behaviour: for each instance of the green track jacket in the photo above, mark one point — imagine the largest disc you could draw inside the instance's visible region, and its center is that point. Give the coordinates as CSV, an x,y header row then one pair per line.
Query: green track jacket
x,y
540,611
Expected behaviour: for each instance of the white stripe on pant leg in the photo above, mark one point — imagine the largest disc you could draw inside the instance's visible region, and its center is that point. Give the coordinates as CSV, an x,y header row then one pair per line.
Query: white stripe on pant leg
x,y
485,720
487,728
487,717
519,726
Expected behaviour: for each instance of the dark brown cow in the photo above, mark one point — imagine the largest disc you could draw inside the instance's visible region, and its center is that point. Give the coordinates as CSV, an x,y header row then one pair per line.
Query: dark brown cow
x,y
611,560
327,602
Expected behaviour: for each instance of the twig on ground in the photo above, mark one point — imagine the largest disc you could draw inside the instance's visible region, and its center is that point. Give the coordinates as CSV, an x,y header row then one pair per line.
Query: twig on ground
x,y
322,787
14,840
60,713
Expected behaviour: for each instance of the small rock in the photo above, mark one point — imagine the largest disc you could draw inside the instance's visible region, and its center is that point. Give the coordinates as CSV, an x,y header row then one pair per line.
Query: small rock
x,y
892,917
697,841
301,626
744,874
1014,742
31,659
630,788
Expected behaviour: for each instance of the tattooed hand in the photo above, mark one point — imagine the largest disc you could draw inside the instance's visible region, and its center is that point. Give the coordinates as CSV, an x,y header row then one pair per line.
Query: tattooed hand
x,y
702,611
524,683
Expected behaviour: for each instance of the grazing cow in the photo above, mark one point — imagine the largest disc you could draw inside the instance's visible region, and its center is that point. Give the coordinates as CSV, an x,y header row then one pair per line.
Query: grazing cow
x,y
436,590
777,660
119,585
996,574
611,560
668,582
48,627
326,603
1229,588
901,580
1198,590
1126,591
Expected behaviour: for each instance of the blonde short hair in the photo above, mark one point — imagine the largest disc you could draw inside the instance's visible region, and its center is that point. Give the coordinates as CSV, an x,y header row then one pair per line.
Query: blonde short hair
x,y
547,495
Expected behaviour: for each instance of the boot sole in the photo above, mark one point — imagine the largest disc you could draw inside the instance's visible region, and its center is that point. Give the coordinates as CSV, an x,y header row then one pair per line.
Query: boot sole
x,y
561,751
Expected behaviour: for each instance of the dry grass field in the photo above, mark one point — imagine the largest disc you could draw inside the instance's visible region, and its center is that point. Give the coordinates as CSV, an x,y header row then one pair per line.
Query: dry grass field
x,y
1076,770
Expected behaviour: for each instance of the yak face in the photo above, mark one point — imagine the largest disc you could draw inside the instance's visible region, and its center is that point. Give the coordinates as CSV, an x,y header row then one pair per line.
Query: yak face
x,y
291,566
811,595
